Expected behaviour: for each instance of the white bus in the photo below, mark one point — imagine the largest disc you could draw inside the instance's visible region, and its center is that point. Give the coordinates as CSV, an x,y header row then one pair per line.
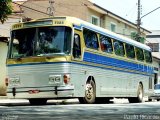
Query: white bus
x,y
65,57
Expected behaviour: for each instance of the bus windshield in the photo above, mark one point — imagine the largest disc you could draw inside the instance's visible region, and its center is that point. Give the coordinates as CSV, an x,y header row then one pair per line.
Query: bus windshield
x,y
40,41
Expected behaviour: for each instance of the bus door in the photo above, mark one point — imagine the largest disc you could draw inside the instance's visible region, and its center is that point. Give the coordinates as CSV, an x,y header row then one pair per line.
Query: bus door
x,y
77,69
77,51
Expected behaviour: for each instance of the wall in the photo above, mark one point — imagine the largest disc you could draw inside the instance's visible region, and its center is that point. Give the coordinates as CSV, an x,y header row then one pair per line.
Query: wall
x,y
77,8
61,8
5,28
121,28
156,65
3,55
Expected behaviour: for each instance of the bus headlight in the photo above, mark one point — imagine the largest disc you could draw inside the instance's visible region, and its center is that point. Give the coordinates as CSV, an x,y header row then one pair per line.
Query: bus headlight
x,y
55,80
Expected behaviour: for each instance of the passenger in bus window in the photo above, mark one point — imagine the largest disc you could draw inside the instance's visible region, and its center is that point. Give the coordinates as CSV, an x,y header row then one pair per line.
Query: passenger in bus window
x,y
91,39
106,44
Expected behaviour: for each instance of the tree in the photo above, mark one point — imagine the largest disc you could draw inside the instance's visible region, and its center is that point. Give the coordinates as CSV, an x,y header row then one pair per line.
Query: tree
x,y
138,38
5,9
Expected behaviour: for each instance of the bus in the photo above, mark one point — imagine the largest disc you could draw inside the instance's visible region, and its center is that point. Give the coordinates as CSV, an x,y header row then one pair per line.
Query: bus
x,y
66,57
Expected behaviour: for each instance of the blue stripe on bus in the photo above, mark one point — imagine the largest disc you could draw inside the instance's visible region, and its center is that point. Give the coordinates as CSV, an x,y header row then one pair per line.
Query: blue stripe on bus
x,y
103,60
86,64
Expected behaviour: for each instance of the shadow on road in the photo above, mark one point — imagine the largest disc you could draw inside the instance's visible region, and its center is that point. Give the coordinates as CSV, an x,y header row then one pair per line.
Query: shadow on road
x,y
12,102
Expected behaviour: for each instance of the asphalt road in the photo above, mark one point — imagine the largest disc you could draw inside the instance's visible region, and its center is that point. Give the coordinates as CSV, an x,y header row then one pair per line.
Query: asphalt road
x,y
72,110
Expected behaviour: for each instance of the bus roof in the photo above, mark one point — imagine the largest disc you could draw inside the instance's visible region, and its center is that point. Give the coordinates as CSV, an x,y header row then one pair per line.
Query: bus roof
x,y
108,33
79,24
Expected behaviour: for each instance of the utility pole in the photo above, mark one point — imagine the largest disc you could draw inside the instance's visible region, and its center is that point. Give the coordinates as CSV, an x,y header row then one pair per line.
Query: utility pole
x,y
139,20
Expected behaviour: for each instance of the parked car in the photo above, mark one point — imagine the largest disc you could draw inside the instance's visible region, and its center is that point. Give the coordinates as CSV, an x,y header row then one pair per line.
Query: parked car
x,y
156,94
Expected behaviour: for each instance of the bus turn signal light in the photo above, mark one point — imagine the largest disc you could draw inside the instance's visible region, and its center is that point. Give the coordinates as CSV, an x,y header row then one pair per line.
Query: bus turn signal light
x,y
66,78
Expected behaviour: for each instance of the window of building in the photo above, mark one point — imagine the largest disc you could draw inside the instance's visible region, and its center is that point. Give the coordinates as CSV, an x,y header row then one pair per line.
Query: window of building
x,y
139,53
118,48
106,44
130,51
113,27
95,20
155,46
91,39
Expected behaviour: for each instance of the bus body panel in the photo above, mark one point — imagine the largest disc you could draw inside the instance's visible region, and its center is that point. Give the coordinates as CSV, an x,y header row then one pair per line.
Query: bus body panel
x,y
43,76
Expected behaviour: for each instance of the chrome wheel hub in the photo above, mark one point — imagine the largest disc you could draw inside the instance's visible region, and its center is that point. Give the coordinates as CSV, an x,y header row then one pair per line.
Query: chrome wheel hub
x,y
89,91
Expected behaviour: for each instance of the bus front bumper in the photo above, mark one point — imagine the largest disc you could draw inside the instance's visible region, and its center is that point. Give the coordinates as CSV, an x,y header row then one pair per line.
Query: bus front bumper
x,y
35,93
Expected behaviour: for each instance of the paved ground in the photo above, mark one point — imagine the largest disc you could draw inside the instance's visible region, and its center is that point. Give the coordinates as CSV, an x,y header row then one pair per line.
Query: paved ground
x,y
117,109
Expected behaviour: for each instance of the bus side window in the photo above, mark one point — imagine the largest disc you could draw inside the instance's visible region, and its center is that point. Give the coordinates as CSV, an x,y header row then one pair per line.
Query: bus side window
x,y
91,39
139,53
76,46
118,48
148,56
106,44
130,51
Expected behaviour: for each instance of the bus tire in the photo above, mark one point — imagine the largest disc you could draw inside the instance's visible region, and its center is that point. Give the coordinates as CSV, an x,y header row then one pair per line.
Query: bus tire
x,y
90,93
38,101
139,97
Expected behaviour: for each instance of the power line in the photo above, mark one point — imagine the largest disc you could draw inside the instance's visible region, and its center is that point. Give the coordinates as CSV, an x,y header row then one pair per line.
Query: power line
x,y
150,12
74,10
31,8
82,4
61,5
131,13
45,7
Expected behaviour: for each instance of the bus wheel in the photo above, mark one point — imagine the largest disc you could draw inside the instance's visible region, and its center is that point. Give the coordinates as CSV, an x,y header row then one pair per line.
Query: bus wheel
x,y
37,101
90,93
139,97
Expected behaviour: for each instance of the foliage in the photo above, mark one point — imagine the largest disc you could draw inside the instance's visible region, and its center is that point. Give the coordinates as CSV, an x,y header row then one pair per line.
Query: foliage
x,y
5,10
136,37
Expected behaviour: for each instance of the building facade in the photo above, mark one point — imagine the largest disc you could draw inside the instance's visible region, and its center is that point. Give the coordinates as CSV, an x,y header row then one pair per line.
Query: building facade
x,y
153,40
4,38
3,54
84,10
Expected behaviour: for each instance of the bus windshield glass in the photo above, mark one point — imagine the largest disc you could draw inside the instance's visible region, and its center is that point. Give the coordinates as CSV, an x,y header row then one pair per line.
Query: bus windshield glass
x,y
40,41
